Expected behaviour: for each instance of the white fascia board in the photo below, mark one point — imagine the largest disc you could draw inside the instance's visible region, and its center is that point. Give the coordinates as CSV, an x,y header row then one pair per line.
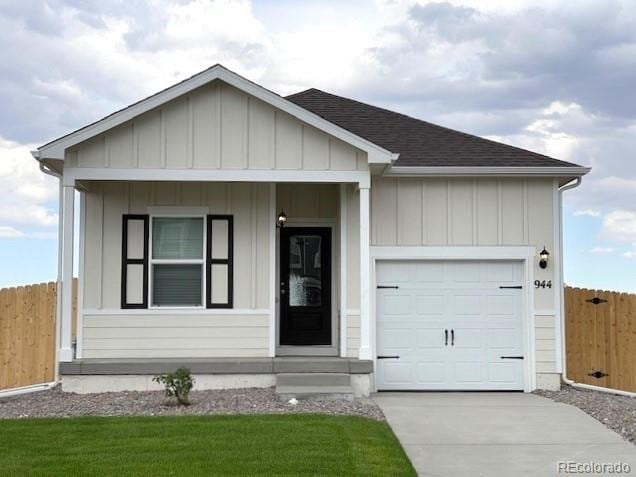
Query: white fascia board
x,y
73,174
56,148
443,171
452,252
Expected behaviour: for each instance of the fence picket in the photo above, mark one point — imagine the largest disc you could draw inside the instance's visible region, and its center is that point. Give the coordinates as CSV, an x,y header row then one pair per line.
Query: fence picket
x,y
27,334
601,337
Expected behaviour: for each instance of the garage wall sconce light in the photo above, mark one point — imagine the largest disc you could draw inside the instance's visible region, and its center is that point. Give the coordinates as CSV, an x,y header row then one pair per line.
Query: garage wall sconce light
x,y
543,258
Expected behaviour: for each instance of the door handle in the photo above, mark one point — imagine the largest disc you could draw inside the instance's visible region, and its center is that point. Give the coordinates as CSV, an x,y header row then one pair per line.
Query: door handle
x,y
445,337
452,337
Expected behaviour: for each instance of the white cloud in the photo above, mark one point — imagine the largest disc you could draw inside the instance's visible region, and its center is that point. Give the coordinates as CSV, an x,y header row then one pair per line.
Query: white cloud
x,y
631,253
10,232
619,225
588,212
27,196
602,250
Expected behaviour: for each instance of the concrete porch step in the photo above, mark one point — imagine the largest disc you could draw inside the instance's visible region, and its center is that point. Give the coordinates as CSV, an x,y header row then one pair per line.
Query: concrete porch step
x,y
331,393
313,379
328,386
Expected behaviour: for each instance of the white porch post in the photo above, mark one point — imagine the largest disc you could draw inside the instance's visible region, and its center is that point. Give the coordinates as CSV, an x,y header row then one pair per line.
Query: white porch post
x,y
343,270
272,270
66,352
365,279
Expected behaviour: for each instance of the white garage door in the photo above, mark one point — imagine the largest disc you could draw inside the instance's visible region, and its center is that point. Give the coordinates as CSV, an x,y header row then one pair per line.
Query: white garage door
x,y
449,325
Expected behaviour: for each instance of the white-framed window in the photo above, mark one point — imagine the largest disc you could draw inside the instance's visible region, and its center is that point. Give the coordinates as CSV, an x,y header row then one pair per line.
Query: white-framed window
x,y
177,257
177,261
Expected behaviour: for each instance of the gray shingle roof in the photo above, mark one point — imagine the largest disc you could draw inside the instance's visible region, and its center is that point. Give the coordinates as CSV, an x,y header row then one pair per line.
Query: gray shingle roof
x,y
418,142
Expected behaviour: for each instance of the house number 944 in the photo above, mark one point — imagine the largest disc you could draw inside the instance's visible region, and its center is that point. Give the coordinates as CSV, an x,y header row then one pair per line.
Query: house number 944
x,y
543,284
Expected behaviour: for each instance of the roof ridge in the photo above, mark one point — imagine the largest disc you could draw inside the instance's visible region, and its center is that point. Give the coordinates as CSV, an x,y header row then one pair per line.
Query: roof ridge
x,y
430,124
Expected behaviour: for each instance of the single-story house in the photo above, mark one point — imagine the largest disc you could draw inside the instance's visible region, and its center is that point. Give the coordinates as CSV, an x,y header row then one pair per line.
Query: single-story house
x,y
305,241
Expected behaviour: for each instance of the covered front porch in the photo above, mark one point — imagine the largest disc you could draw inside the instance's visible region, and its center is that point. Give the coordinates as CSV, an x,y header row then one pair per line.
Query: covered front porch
x,y
262,308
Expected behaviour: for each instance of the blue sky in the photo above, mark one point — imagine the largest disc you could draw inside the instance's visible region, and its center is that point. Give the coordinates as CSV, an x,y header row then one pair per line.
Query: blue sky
x,y
553,76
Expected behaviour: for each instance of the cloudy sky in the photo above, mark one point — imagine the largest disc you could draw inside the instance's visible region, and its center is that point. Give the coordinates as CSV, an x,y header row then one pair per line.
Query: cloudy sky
x,y
554,76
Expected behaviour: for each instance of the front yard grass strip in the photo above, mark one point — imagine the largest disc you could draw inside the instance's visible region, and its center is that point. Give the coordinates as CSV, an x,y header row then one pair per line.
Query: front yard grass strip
x,y
282,445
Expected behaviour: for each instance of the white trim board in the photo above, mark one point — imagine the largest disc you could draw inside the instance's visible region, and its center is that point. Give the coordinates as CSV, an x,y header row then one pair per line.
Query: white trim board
x,y
56,148
177,311
524,254
342,254
333,348
446,171
79,326
176,210
73,174
453,253
273,280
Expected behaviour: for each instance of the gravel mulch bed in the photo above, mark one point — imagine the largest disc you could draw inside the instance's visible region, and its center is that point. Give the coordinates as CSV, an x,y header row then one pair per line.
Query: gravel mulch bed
x,y
55,403
615,411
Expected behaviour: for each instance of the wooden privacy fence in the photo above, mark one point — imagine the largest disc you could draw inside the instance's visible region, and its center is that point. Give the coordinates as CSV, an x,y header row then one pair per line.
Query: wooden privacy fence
x,y
600,333
27,334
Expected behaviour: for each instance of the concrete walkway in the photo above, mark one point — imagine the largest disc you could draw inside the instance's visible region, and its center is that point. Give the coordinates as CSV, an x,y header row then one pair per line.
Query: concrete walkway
x,y
498,434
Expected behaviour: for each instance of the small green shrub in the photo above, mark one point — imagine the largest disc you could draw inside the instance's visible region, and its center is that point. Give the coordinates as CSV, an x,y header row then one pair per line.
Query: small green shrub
x,y
177,384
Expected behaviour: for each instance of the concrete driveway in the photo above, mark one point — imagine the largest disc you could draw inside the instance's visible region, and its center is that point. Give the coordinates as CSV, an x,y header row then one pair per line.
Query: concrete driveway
x,y
498,434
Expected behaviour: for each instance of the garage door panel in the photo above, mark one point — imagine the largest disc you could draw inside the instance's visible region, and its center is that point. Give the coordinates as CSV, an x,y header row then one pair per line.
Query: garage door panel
x,y
397,272
461,296
503,338
397,339
465,272
468,372
397,305
468,338
432,372
463,304
503,305
429,338
501,272
503,373
430,272
430,304
396,373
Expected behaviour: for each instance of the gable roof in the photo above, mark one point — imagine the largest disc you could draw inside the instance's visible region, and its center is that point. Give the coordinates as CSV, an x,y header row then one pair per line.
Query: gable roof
x,y
56,148
420,143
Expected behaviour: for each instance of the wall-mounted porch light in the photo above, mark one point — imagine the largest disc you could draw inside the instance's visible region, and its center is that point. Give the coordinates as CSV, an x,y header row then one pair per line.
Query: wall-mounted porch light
x,y
543,258
281,219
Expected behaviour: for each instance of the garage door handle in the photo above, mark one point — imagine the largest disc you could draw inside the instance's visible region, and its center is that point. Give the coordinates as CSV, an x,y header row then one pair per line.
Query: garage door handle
x,y
388,357
511,357
392,287
445,337
452,337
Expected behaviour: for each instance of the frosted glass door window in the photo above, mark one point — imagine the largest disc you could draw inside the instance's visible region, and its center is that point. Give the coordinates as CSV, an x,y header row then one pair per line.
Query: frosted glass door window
x,y
305,275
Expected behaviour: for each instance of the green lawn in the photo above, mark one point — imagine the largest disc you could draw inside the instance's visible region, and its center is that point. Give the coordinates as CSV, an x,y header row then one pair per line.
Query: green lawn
x,y
300,445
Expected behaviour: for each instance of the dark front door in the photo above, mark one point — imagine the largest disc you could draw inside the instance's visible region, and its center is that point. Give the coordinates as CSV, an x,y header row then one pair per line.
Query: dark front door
x,y
305,288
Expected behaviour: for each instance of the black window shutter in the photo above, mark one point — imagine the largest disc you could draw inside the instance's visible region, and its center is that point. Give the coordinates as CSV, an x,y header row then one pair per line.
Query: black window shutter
x,y
229,261
126,261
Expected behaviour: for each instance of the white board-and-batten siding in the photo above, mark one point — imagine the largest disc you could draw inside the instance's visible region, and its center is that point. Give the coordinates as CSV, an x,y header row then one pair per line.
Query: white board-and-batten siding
x,y
168,335
216,127
475,212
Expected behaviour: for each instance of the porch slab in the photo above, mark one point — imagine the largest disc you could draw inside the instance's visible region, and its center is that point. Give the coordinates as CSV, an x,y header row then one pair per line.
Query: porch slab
x,y
145,366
